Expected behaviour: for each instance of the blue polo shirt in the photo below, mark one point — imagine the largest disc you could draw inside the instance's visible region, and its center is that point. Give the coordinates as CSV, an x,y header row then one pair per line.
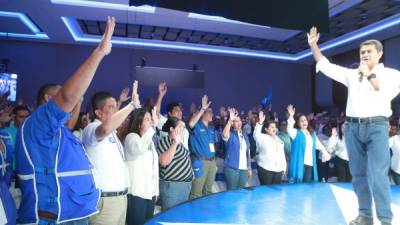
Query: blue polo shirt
x,y
200,139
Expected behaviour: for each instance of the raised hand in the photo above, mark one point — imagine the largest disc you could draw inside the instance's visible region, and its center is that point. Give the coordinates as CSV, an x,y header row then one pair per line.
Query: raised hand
x,y
105,44
204,102
232,114
135,95
154,116
261,117
162,88
313,36
123,97
334,132
176,135
291,110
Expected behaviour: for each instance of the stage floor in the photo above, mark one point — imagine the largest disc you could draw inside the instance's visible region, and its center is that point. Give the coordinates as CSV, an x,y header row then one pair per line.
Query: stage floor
x,y
300,204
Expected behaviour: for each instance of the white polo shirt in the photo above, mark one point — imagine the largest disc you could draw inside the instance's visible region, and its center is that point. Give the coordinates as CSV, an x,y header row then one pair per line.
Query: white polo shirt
x,y
108,158
363,100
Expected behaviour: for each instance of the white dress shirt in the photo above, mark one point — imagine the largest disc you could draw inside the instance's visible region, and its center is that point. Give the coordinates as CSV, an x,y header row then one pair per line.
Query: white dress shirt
x,y
242,152
107,156
363,100
142,161
308,153
394,144
338,147
271,152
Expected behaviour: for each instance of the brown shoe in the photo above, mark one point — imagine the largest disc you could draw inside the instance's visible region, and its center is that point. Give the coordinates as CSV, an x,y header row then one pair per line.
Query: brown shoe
x,y
361,220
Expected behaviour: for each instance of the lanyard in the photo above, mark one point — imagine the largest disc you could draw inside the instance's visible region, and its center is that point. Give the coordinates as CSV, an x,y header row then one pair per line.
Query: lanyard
x,y
119,145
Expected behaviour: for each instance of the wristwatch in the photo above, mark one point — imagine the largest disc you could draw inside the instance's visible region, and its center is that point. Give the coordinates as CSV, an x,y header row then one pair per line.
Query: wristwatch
x,y
372,76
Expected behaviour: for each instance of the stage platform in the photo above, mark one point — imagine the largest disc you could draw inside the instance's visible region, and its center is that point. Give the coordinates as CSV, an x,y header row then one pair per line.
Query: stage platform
x,y
297,204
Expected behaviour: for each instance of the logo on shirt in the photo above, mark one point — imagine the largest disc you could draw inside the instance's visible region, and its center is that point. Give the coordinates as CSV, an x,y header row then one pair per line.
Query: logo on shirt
x,y
112,139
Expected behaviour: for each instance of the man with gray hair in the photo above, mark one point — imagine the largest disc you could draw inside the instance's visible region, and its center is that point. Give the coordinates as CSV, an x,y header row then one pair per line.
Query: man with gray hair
x,y
371,87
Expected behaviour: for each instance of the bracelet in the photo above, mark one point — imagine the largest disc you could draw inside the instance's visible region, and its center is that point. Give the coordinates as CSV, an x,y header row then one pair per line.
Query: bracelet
x,y
372,76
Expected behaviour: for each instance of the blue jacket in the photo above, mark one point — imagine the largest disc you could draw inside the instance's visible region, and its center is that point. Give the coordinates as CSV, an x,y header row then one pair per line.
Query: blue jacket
x,y
296,168
232,150
54,171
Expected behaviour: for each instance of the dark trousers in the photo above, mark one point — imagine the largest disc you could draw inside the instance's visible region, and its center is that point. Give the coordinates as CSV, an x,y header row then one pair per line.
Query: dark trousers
x,y
267,177
323,169
308,174
139,210
396,177
342,170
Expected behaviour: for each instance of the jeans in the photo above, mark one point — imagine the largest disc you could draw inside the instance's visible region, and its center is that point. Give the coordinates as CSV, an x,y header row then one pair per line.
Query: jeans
x,y
235,178
369,161
173,193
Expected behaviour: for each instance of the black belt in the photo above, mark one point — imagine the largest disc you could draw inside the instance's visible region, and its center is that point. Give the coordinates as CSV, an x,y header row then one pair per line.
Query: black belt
x,y
366,119
205,158
114,194
47,215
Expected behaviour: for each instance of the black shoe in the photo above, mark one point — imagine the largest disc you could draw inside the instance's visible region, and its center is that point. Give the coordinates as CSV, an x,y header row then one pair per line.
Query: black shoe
x,y
361,220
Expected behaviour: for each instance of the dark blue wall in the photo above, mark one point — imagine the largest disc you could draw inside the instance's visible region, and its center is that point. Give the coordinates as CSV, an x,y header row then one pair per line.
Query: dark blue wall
x,y
229,81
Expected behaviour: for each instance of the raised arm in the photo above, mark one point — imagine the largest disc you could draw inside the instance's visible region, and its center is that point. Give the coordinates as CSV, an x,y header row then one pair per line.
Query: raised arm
x,y
118,118
74,115
75,87
123,97
290,127
333,71
227,129
313,37
204,106
162,90
257,130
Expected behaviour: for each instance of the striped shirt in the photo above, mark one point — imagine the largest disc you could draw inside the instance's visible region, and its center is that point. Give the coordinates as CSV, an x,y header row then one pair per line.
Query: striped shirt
x,y
180,168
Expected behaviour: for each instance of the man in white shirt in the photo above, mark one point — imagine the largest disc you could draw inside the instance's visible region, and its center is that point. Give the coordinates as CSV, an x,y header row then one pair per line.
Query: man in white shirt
x,y
174,110
107,155
371,88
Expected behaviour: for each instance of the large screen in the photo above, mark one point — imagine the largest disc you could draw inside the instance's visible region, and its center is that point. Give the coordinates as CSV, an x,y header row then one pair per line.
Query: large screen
x,y
8,85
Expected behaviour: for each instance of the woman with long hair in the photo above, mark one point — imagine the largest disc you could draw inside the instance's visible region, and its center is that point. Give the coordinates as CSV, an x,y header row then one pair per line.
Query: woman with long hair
x,y
142,161
303,164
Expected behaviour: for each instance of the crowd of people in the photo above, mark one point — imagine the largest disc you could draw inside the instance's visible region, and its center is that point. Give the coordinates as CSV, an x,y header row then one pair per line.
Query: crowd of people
x,y
114,163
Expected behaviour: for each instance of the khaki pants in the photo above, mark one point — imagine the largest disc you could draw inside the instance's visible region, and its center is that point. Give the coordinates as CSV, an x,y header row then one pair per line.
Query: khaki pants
x,y
112,210
203,185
